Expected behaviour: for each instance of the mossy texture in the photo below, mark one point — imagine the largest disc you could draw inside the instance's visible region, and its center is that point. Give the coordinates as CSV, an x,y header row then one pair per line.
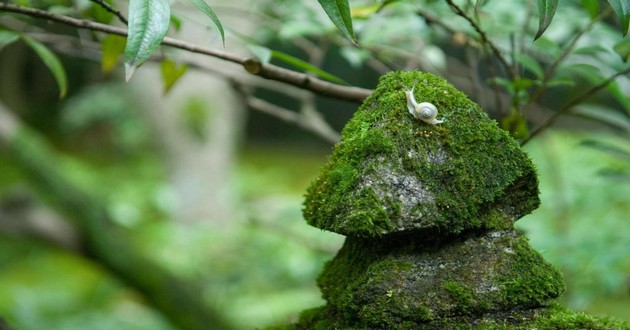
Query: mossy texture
x,y
383,283
393,173
429,213
554,317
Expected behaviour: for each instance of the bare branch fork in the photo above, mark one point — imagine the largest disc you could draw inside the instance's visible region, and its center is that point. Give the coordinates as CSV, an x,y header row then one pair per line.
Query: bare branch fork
x,y
267,71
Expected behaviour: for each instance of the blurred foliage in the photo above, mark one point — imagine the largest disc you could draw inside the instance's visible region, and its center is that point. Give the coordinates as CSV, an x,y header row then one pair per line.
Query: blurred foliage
x,y
261,268
42,287
582,226
581,48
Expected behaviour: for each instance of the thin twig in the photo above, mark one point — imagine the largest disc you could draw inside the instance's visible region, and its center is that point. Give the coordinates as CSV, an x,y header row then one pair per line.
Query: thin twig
x,y
551,120
325,132
111,9
550,72
311,121
267,71
431,19
483,37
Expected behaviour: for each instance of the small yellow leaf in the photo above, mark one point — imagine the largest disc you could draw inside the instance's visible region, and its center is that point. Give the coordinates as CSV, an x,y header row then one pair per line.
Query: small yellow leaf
x,y
112,48
171,73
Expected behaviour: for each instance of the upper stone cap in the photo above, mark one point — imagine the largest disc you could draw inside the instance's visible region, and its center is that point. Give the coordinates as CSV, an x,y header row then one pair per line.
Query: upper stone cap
x,y
393,173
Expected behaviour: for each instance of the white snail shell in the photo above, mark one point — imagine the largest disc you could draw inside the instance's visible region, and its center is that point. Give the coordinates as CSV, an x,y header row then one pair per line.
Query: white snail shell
x,y
424,111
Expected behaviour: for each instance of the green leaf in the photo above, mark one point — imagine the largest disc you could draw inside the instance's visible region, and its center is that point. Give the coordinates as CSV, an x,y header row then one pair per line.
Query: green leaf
x,y
608,148
176,22
516,124
585,70
339,13
622,9
610,117
52,62
7,37
620,95
547,47
590,50
300,64
201,5
112,47
171,73
530,64
623,49
263,54
98,13
365,11
546,10
148,24
560,81
592,6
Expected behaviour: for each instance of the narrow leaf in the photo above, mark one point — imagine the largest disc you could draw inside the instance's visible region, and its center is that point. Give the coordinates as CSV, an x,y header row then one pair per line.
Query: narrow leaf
x,y
112,47
300,64
171,73
203,6
530,64
546,10
622,9
608,148
339,13
623,49
148,24
52,62
561,82
8,37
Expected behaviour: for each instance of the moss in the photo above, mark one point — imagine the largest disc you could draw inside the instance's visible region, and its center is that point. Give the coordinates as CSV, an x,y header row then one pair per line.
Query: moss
x,y
419,176
462,295
555,317
397,279
530,281
429,213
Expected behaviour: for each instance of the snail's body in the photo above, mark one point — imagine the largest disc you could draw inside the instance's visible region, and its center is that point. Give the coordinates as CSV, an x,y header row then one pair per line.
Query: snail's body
x,y
424,111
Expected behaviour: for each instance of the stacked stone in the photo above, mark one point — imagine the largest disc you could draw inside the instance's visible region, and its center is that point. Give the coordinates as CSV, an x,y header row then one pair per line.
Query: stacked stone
x,y
428,211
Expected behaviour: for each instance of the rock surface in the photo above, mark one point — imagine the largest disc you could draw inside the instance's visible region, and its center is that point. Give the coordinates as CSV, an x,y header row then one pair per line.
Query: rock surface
x,y
392,173
429,213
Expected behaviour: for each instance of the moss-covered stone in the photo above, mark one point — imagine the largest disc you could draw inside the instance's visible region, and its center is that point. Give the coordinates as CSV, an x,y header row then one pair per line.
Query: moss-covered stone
x,y
429,213
392,173
554,317
372,280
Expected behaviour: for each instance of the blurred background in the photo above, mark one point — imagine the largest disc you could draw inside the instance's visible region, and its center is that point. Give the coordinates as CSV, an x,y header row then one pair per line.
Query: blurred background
x,y
208,185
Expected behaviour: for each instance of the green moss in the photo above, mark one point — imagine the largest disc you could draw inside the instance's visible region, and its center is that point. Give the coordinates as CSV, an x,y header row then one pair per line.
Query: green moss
x,y
462,295
393,173
555,317
530,281
396,278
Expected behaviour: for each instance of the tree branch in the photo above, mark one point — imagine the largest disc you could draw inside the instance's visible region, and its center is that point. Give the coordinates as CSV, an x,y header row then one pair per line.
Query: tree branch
x,y
484,37
111,9
551,120
319,128
267,71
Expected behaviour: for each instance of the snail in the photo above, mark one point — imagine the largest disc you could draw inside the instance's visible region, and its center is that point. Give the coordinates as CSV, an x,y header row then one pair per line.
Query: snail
x,y
424,111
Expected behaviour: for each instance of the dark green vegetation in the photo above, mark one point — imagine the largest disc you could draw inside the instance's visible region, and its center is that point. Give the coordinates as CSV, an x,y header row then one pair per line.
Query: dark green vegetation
x,y
428,211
